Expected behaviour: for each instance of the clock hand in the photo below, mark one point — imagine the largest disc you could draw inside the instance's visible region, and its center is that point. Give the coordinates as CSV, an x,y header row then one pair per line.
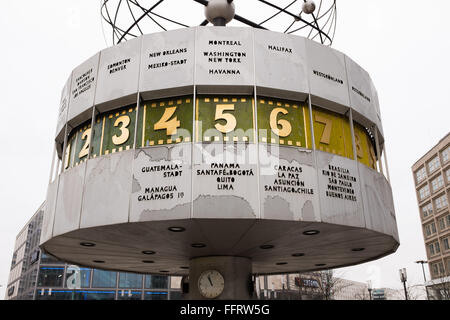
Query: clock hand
x,y
209,278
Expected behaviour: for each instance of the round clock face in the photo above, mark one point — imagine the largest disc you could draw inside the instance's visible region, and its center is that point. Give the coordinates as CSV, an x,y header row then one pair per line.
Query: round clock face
x,y
211,284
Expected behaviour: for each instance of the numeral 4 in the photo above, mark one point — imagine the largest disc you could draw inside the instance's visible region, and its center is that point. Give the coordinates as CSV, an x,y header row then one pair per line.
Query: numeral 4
x,y
171,125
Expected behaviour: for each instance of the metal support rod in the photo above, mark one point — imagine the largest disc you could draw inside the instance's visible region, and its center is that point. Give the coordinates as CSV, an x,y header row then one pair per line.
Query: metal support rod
x,y
406,291
352,130
386,163
266,289
425,282
377,142
52,168
424,278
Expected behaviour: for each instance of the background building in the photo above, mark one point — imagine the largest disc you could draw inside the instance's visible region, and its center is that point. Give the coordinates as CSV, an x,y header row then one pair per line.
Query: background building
x,y
24,265
313,286
35,275
432,180
305,286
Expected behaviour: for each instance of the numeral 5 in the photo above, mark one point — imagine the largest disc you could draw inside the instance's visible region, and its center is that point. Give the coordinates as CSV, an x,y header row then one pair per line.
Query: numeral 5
x,y
229,118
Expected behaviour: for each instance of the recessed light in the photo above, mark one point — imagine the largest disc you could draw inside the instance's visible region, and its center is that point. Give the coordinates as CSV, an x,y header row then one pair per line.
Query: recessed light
x,y
298,255
281,263
267,247
177,229
358,249
87,244
148,261
99,261
198,245
148,252
311,232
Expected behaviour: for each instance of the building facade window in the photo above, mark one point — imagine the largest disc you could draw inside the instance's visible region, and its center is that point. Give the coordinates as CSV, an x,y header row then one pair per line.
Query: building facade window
x,y
448,176
446,244
437,183
129,295
433,165
54,294
130,280
441,202
155,295
47,259
447,220
434,248
446,155
431,249
104,279
421,174
424,192
441,224
156,282
438,269
430,229
94,295
77,278
427,210
51,277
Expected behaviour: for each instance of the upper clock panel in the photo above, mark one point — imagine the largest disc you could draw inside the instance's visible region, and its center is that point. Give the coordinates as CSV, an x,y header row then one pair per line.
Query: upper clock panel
x,y
218,61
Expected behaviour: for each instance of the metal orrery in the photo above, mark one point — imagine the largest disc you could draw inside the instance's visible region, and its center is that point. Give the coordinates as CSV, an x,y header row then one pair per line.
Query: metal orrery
x,y
128,19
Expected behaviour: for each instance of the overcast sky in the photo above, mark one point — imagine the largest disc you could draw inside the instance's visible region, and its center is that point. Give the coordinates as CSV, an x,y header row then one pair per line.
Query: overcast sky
x,y
403,44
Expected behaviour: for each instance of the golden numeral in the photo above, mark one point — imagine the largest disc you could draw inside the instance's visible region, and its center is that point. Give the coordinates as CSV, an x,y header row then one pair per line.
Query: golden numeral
x,y
165,123
85,150
359,149
286,127
124,121
67,158
228,117
326,135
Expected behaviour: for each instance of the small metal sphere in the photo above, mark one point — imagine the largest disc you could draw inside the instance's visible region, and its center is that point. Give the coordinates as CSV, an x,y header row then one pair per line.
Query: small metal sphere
x,y
219,9
308,7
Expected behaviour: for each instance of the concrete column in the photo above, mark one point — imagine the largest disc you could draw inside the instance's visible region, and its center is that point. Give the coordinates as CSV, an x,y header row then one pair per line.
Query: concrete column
x,y
236,271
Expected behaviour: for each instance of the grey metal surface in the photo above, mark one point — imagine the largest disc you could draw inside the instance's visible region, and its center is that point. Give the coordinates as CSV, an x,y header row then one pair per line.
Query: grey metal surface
x,y
340,194
121,246
173,62
107,190
213,197
162,183
82,93
68,205
167,62
296,166
119,68
224,60
281,64
327,77
63,110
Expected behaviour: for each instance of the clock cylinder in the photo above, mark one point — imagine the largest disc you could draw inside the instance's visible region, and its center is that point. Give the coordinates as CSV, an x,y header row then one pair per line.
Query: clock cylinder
x,y
219,141
236,273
